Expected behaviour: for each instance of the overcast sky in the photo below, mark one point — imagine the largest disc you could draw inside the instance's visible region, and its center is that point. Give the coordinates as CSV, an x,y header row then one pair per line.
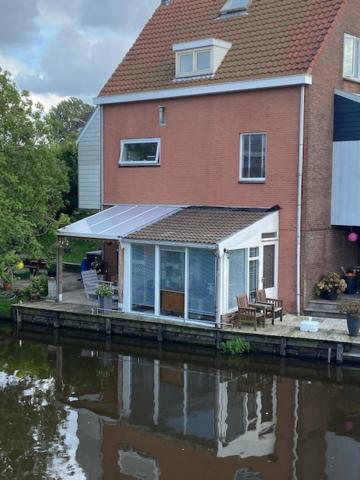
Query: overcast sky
x,y
61,48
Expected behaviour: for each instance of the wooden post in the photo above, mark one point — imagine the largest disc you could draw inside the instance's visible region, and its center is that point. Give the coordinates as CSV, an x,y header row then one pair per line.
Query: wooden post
x,y
120,276
59,270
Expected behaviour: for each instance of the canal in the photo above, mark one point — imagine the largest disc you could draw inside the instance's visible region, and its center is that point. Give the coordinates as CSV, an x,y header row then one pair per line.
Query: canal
x,y
75,408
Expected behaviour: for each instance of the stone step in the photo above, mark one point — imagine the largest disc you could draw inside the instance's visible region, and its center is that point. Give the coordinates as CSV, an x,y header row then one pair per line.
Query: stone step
x,y
323,306
322,314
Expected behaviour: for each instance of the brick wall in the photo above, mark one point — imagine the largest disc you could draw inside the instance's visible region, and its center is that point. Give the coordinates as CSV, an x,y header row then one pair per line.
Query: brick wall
x,y
200,158
325,248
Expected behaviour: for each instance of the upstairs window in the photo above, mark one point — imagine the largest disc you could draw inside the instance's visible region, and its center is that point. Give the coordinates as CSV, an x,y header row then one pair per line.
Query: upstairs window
x,y
233,7
253,157
140,152
199,57
351,57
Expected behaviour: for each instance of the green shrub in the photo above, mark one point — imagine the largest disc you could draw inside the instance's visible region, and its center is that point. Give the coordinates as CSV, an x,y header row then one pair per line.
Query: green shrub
x,y
39,285
236,347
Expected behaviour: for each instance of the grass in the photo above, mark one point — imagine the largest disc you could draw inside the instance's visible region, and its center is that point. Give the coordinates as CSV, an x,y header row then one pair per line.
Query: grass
x,y
77,249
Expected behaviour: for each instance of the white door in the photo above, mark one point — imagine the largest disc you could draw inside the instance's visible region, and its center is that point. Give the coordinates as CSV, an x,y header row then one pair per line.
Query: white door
x,y
270,269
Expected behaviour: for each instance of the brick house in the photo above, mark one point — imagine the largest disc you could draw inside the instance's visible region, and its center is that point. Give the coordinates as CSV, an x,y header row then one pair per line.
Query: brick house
x,y
214,138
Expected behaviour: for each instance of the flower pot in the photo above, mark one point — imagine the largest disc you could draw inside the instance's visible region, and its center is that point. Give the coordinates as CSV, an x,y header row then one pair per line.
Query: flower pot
x,y
351,282
329,295
7,286
353,323
105,303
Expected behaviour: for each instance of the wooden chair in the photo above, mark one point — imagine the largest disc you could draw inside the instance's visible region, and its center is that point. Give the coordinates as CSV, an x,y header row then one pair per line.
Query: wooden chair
x,y
248,313
275,304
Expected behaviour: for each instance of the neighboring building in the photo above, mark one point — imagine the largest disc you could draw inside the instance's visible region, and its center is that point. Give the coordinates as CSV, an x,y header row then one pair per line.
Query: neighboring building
x,y
230,104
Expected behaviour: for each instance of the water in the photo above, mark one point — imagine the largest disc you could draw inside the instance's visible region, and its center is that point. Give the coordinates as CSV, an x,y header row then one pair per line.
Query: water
x,y
81,409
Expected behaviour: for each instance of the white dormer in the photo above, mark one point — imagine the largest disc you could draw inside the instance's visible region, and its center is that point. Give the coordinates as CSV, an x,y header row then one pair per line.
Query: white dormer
x,y
199,57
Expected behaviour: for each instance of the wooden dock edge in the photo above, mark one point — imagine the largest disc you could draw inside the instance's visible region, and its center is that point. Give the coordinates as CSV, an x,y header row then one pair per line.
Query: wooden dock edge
x,y
137,326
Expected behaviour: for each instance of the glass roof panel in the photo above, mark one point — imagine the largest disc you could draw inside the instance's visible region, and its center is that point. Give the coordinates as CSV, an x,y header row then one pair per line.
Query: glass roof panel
x,y
118,221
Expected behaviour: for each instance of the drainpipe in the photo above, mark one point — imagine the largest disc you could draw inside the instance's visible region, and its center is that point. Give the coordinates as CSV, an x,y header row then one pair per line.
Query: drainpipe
x,y
299,199
218,287
101,157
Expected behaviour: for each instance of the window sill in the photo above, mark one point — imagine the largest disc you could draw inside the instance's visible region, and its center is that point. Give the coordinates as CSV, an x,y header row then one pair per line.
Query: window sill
x,y
352,79
252,180
127,165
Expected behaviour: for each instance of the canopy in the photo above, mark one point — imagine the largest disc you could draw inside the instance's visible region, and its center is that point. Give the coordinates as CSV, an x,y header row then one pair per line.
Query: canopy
x,y
118,221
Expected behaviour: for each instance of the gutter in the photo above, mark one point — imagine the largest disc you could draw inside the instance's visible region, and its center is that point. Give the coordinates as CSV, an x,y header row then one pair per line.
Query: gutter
x,y
300,199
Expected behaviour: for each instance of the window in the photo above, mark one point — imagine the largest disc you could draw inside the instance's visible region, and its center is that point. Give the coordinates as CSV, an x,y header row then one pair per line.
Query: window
x,y
232,7
253,273
199,57
140,152
253,157
197,62
351,57
143,278
237,276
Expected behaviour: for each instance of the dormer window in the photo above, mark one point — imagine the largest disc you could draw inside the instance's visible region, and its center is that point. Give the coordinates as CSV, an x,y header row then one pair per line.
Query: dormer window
x,y
200,57
234,7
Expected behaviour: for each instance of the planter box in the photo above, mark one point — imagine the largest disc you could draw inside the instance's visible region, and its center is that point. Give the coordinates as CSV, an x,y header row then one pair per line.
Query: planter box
x,y
105,303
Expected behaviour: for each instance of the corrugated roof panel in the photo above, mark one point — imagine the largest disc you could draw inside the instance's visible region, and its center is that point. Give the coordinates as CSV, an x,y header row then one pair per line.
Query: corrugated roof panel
x,y
118,221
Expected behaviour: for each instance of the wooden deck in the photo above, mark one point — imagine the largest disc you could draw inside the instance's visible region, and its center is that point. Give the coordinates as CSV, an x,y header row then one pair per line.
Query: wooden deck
x,y
331,343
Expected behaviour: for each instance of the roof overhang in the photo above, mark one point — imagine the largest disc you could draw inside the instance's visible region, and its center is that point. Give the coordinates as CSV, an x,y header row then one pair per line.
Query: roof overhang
x,y
211,89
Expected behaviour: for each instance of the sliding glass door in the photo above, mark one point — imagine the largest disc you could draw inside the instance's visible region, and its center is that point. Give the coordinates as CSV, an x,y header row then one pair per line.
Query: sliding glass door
x,y
172,283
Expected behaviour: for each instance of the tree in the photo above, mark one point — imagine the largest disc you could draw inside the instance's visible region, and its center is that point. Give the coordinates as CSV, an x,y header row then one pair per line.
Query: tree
x,y
33,178
65,121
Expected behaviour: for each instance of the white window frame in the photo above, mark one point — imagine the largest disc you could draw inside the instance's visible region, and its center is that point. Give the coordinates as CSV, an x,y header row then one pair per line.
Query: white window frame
x,y
252,179
355,74
130,141
195,71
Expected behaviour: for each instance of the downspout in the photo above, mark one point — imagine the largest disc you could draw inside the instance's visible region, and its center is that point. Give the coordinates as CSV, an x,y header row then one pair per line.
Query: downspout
x,y
218,288
101,157
300,199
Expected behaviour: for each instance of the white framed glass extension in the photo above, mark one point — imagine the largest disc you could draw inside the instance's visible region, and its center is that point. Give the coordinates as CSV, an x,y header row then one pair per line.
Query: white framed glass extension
x,y
193,283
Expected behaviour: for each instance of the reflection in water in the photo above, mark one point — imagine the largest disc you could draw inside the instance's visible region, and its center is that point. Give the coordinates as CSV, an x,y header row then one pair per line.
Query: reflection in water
x,y
85,413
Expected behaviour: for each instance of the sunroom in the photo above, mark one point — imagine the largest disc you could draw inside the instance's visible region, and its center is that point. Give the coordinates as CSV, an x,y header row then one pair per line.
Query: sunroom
x,y
186,264
191,265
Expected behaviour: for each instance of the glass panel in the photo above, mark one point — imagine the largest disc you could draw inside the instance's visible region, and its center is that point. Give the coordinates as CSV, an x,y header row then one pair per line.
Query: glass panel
x,y
349,56
253,278
254,252
172,282
201,284
246,156
237,276
269,266
140,152
253,155
234,6
143,278
203,60
186,63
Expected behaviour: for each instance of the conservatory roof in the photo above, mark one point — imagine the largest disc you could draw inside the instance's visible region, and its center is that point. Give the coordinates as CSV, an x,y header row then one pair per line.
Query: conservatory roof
x,y
201,225
118,221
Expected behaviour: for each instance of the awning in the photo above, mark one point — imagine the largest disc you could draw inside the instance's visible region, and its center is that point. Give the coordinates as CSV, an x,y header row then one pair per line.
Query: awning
x,y
118,221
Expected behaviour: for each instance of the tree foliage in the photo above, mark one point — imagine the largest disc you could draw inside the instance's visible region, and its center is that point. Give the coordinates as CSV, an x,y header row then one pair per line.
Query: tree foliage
x,y
65,121
33,177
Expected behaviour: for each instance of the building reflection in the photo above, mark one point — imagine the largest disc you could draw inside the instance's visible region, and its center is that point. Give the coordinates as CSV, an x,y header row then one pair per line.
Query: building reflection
x,y
156,419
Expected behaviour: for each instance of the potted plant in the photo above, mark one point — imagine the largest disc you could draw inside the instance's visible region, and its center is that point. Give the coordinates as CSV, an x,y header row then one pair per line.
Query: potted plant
x,y
38,287
100,267
105,293
352,312
330,286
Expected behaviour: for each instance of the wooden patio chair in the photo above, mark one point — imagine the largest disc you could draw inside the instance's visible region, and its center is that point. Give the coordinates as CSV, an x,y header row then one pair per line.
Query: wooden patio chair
x,y
275,304
248,313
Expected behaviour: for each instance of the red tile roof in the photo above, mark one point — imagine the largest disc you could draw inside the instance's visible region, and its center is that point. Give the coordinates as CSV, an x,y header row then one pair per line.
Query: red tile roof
x,y
202,225
275,38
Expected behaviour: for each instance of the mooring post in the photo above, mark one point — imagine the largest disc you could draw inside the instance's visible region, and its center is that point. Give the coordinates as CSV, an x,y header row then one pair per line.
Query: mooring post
x,y
283,347
218,340
329,355
108,326
339,353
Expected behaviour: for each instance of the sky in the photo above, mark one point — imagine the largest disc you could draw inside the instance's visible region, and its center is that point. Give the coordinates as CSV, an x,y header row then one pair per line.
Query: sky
x,y
61,48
